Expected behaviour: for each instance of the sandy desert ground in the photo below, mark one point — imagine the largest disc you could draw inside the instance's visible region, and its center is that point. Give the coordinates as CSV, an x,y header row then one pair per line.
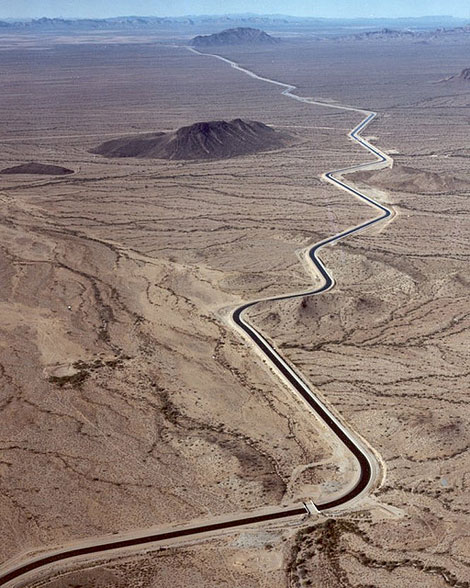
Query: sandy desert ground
x,y
127,401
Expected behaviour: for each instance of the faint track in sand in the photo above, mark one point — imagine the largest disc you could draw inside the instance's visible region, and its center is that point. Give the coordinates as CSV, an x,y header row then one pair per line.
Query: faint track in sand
x,y
369,465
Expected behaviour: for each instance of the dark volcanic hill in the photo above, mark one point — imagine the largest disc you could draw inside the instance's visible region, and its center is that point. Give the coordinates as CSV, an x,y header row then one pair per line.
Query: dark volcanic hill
x,y
205,140
37,169
238,36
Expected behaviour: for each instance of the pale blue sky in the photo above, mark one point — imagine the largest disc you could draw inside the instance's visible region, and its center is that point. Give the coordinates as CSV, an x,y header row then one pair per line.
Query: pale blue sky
x,y
327,8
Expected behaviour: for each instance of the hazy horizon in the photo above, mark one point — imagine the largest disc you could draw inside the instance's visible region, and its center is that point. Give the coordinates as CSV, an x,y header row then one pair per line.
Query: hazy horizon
x,y
176,8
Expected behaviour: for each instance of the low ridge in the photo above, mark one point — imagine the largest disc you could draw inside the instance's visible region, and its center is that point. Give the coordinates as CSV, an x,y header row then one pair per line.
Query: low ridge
x,y
464,76
201,141
384,33
238,36
402,178
35,168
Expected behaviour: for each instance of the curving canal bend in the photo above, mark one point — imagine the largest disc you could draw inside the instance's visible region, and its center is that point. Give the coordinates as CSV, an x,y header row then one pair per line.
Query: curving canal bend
x,y
24,568
369,468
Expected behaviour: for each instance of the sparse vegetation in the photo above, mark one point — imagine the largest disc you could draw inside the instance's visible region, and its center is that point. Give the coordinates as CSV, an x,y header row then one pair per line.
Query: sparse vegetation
x,y
169,410
74,380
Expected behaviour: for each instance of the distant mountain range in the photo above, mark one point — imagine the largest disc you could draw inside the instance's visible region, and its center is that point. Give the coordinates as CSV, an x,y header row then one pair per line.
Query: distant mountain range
x,y
238,36
89,23
209,23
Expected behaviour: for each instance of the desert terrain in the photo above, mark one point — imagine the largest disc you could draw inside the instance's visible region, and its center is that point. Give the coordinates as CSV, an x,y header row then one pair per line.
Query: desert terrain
x,y
128,401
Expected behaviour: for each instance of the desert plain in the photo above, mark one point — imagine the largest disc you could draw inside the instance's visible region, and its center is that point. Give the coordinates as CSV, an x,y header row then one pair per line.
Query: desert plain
x,y
128,400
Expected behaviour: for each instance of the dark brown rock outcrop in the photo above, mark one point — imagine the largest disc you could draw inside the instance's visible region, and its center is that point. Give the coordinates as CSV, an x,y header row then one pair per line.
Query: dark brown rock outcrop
x,y
35,168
